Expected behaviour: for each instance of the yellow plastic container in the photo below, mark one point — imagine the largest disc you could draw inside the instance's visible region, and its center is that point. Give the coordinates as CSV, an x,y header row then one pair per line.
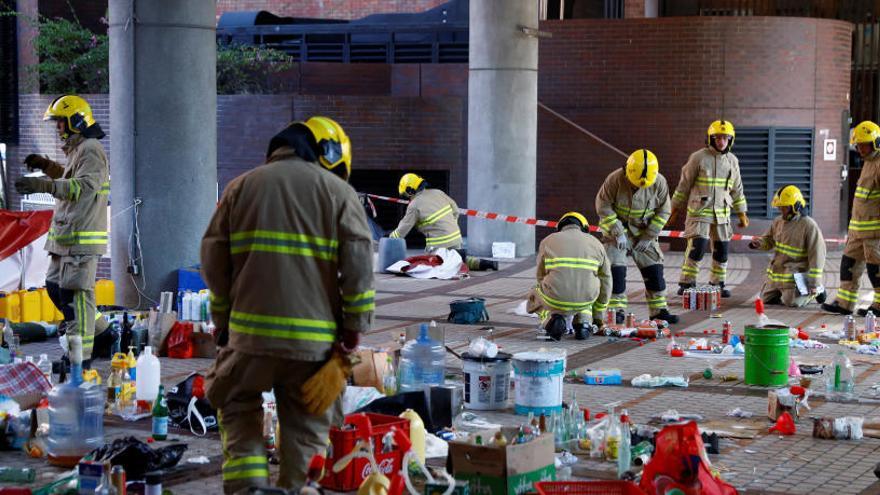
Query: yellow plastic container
x,y
10,306
47,308
31,309
416,433
105,293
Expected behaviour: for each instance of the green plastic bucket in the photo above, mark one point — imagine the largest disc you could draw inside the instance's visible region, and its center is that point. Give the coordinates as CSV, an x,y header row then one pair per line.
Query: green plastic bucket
x,y
766,362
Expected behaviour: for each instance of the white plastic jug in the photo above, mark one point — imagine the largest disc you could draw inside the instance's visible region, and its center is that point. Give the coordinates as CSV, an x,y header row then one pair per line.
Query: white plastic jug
x,y
148,373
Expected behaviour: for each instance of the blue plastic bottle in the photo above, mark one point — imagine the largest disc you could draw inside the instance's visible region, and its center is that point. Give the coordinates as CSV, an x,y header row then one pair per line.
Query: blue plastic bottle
x,y
422,362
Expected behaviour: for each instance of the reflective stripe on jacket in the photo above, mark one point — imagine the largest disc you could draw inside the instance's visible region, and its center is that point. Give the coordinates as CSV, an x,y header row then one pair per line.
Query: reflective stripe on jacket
x,y
435,214
865,220
644,212
710,187
799,248
573,270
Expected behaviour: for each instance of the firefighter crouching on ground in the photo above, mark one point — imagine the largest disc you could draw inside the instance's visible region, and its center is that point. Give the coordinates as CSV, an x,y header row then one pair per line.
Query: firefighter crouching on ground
x,y
709,188
288,259
574,280
633,206
863,237
435,215
800,249
78,235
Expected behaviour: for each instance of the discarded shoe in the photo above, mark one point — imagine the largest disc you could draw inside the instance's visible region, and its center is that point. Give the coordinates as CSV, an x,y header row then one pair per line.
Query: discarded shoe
x,y
666,316
836,309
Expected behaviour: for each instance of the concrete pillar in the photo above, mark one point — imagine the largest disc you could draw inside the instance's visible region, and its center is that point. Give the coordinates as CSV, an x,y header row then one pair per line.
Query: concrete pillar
x,y
502,121
163,100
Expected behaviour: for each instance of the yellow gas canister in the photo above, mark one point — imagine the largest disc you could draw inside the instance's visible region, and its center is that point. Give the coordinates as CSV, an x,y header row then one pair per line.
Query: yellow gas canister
x,y
105,293
30,305
10,306
47,307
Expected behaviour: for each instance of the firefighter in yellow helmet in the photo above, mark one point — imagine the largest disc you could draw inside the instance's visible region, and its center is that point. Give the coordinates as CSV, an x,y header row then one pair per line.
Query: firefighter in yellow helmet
x,y
574,280
288,259
862,248
710,189
78,235
435,215
633,207
794,277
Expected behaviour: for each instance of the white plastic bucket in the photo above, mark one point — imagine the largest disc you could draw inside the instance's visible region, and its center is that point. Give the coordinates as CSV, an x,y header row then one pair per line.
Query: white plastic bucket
x,y
538,377
486,381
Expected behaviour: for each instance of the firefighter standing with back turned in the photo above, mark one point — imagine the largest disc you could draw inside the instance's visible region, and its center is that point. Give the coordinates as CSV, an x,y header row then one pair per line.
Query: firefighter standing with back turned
x,y
862,248
710,187
435,214
288,259
633,206
78,235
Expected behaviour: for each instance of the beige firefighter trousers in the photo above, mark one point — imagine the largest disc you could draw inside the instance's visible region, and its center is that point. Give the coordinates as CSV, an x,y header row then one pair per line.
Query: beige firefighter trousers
x,y
712,232
653,256
863,251
77,274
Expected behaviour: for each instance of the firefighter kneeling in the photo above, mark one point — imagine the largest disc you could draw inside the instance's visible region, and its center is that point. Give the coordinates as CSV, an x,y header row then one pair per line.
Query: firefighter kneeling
x,y
574,280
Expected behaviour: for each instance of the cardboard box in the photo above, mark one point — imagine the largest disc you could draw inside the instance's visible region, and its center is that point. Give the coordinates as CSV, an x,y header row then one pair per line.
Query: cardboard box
x,y
508,470
370,371
203,345
776,408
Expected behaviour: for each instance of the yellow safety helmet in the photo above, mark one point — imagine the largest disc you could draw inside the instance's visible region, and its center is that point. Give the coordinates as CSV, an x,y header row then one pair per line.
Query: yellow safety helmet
x,y
721,127
409,184
572,217
73,110
333,144
866,132
641,168
789,196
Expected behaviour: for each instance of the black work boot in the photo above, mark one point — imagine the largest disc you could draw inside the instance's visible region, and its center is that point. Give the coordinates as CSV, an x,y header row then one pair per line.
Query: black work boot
x,y
666,316
581,331
821,296
683,287
556,327
488,265
725,293
835,308
871,308
776,301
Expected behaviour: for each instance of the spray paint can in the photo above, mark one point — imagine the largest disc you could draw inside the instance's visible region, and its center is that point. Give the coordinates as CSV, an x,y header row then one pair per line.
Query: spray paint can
x,y
725,331
686,299
630,320
849,327
610,315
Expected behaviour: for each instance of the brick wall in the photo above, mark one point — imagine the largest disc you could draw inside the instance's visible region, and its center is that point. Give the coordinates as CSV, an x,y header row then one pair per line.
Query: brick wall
x,y
329,9
658,83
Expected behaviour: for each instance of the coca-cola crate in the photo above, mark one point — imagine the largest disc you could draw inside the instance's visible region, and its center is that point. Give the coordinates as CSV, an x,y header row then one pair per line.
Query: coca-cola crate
x,y
343,440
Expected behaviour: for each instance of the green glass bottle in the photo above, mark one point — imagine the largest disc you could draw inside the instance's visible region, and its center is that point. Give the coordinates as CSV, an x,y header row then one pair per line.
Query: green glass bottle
x,y
160,416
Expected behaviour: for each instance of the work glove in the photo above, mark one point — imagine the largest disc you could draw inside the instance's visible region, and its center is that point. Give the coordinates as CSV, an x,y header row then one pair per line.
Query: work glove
x,y
37,162
642,246
349,341
622,242
743,220
30,185
323,388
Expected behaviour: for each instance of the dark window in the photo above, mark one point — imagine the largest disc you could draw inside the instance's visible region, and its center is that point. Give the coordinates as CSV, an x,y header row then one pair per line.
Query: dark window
x,y
8,79
772,157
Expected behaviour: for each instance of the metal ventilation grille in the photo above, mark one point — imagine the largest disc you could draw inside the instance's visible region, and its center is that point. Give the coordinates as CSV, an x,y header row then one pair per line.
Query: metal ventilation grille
x,y
772,157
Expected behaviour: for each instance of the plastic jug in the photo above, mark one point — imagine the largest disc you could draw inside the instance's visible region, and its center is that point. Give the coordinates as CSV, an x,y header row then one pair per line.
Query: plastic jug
x,y
416,433
105,293
390,252
10,306
76,421
147,377
31,306
422,362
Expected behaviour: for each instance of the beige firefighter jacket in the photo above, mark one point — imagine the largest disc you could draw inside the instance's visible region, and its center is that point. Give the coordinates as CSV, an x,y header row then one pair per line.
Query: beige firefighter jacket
x,y
288,259
82,189
623,207
865,220
800,248
710,187
435,215
573,271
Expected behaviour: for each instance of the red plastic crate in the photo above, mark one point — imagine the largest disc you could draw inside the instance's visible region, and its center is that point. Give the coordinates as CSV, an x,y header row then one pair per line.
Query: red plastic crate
x,y
343,442
588,488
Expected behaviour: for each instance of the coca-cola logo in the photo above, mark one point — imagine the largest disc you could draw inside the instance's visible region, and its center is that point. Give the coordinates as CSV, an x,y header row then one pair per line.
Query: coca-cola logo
x,y
386,466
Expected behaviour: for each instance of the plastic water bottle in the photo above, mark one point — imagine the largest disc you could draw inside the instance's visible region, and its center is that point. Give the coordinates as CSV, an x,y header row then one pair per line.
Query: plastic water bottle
x,y
422,362
624,458
45,366
147,377
870,322
76,422
186,310
195,307
840,379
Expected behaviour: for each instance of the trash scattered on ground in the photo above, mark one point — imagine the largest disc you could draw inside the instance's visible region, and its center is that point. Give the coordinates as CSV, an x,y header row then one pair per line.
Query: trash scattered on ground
x,y
784,425
845,428
739,413
603,377
355,398
673,416
648,381
198,460
137,457
807,344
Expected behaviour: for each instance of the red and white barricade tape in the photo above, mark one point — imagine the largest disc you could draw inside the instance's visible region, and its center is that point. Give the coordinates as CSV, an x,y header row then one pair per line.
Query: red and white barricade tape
x,y
552,224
